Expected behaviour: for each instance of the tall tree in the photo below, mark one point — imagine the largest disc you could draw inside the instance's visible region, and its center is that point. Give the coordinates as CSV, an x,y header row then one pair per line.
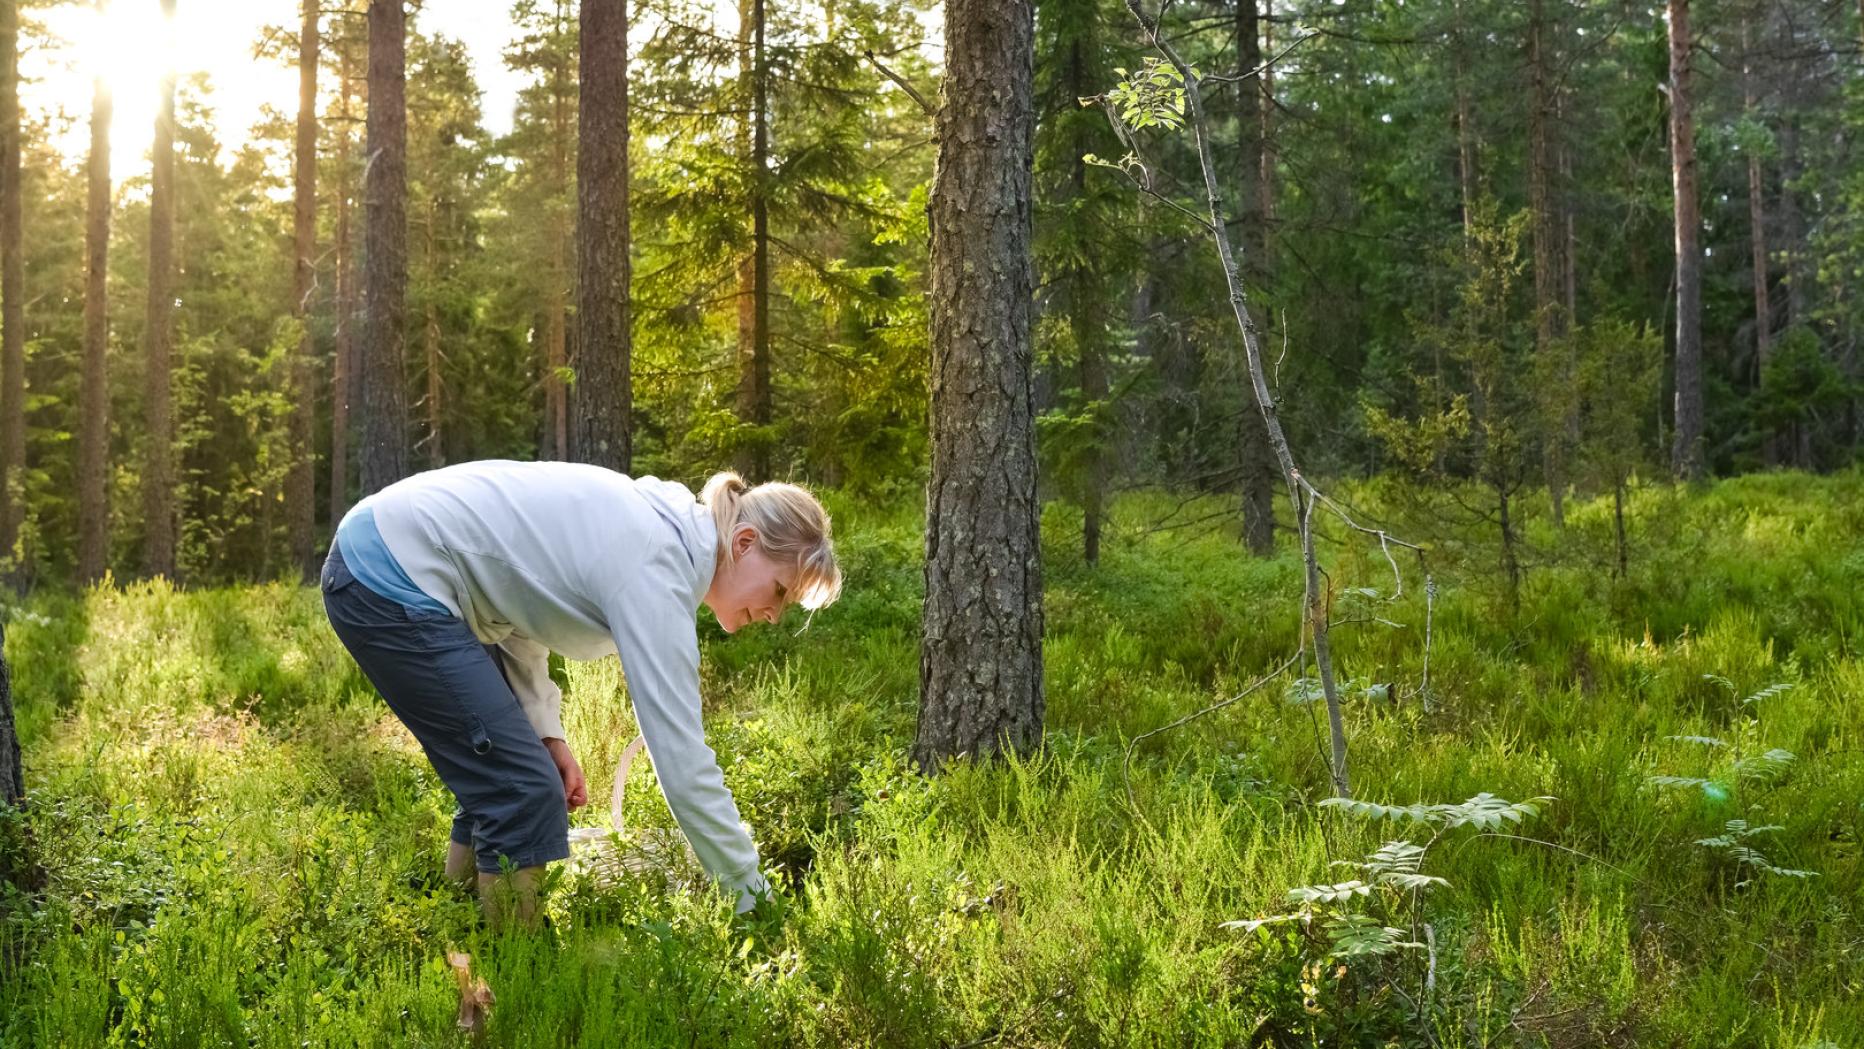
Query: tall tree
x,y
1257,459
343,356
158,476
754,400
981,664
12,291
1546,235
300,481
542,143
1079,253
1757,216
1686,455
93,391
385,251
604,340
12,773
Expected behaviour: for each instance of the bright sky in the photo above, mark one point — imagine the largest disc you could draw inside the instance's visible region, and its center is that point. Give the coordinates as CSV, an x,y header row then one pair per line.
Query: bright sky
x,y
131,43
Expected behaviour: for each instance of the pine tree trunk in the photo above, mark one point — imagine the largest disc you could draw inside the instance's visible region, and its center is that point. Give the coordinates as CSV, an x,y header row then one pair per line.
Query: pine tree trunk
x,y
158,476
12,295
1686,456
385,252
1757,235
12,773
556,331
1792,248
93,393
430,331
754,403
1618,526
604,418
1549,322
1465,138
301,478
981,664
1087,325
342,381
1257,459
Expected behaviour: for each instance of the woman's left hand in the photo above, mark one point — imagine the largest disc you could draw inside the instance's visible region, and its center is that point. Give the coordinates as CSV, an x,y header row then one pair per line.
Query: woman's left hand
x,y
575,788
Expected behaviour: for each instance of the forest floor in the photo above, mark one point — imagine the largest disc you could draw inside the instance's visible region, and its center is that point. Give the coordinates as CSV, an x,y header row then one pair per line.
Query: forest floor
x,y
230,841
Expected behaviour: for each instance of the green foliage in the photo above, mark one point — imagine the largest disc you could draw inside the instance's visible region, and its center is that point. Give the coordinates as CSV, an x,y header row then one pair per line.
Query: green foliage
x,y
1152,97
213,781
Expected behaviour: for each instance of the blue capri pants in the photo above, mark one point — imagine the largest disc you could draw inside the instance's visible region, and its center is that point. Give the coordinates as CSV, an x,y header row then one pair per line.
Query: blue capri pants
x,y
451,692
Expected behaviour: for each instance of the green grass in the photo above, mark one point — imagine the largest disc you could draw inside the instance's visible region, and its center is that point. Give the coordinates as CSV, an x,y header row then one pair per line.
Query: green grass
x,y
232,843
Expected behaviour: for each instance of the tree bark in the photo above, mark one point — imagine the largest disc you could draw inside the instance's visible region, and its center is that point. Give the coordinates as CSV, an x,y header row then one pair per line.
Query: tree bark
x,y
1549,321
93,393
12,772
556,301
1256,458
1686,454
1086,300
301,478
981,664
385,252
604,418
342,381
1757,235
754,402
12,295
158,478
1465,139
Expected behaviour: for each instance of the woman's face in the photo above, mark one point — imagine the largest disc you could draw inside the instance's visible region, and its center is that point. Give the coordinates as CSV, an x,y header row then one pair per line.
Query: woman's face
x,y
751,586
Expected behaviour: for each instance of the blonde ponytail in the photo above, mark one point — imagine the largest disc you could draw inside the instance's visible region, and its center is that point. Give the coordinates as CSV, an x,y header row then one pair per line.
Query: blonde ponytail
x,y
792,528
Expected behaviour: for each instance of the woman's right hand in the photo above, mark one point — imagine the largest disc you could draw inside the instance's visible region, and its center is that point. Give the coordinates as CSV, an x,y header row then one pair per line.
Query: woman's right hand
x,y
575,787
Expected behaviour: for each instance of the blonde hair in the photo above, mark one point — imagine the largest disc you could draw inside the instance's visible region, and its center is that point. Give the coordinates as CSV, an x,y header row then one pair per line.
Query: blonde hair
x,y
791,526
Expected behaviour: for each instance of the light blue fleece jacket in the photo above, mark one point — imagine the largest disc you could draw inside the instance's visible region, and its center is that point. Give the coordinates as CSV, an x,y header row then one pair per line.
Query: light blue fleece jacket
x,y
581,560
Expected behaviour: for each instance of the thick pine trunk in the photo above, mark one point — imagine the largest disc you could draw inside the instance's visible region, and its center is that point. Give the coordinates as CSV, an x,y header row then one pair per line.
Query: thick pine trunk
x,y
342,381
754,401
981,664
1257,459
93,394
604,417
301,479
12,292
385,252
1686,455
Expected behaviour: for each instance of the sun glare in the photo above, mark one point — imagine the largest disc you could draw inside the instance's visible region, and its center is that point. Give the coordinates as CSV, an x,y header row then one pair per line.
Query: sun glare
x,y
131,45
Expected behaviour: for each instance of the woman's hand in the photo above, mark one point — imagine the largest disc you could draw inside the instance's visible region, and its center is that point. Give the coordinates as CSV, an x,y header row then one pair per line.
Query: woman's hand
x,y
575,788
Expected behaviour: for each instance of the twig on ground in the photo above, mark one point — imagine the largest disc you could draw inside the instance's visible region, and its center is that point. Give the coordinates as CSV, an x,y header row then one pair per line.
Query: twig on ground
x,y
1126,763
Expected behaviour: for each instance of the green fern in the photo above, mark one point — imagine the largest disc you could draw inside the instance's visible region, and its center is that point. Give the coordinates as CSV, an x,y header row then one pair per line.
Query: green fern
x,y
1362,936
1767,693
1485,810
1764,768
1311,894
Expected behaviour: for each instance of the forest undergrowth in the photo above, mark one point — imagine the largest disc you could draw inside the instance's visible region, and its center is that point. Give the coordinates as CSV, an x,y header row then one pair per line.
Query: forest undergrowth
x,y
1621,811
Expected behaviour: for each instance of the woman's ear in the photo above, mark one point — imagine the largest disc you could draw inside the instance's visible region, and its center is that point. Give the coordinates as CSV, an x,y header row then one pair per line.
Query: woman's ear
x,y
742,540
